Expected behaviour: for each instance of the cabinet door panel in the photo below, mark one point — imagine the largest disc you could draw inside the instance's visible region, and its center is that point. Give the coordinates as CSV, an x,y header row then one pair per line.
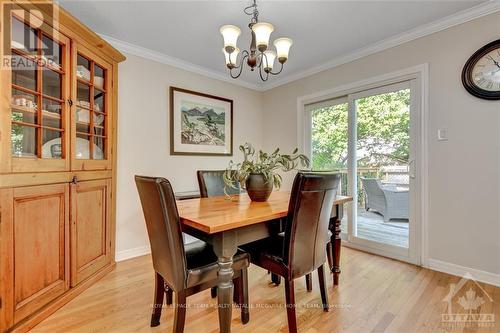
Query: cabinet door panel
x,y
37,96
93,111
90,228
41,246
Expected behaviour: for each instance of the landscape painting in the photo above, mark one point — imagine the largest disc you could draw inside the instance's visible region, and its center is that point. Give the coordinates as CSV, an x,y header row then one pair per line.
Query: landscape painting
x,y
200,124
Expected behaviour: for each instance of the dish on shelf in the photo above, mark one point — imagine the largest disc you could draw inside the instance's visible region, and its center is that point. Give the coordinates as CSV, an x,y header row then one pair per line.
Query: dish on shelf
x,y
53,149
53,108
23,108
82,150
82,116
82,72
99,82
98,119
83,104
17,46
23,100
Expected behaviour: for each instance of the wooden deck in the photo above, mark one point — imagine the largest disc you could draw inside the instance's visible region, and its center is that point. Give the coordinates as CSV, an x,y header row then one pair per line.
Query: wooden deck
x,y
371,226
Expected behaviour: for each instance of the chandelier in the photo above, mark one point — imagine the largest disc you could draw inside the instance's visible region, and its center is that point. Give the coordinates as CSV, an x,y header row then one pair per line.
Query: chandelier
x,y
259,56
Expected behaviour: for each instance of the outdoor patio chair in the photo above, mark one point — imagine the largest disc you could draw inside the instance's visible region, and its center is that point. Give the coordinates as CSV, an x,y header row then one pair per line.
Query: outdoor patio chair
x,y
390,202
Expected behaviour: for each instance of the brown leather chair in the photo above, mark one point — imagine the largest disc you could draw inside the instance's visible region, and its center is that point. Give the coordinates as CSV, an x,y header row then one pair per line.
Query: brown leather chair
x,y
302,249
211,183
184,269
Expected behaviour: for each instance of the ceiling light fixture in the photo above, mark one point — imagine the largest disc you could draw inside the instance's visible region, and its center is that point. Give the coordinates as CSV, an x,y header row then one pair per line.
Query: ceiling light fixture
x,y
259,56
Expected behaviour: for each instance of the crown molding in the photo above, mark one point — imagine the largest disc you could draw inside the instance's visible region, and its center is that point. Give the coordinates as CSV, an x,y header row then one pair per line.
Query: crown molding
x,y
460,17
143,52
463,16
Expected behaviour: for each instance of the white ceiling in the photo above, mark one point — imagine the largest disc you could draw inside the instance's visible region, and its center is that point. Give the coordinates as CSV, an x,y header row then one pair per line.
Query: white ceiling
x,y
321,30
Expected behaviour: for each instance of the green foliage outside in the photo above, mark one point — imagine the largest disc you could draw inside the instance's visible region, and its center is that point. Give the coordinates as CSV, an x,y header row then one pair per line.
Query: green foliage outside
x,y
383,137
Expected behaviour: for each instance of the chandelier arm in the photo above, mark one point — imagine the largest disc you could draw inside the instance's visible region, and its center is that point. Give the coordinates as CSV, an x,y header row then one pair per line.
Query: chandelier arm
x,y
260,56
261,76
276,73
240,67
244,54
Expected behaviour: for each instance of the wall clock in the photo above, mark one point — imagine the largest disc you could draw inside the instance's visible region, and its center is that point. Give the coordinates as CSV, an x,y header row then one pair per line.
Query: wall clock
x,y
481,73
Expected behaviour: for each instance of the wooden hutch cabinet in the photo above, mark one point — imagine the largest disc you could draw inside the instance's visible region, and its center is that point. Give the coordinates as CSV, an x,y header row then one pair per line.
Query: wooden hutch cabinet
x,y
58,112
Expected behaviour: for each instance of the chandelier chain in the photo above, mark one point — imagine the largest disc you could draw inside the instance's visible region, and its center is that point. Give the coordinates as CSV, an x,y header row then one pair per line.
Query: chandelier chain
x,y
254,13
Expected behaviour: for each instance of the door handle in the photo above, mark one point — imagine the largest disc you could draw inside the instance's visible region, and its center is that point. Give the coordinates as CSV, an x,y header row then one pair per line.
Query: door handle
x,y
411,168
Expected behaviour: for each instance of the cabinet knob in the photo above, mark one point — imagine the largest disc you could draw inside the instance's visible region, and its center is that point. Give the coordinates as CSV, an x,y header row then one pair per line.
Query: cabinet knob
x,y
74,180
70,102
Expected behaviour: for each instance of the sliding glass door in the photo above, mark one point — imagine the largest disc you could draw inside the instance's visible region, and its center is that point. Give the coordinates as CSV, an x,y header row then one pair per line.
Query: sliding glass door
x,y
369,137
330,140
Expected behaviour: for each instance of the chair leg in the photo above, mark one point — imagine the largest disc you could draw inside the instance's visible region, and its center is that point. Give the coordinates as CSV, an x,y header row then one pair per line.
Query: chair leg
x,y
324,295
169,294
180,312
245,311
309,282
329,254
158,300
290,306
276,279
213,292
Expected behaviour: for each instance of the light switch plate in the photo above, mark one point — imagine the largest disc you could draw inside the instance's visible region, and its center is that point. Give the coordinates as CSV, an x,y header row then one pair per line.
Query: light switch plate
x,y
442,134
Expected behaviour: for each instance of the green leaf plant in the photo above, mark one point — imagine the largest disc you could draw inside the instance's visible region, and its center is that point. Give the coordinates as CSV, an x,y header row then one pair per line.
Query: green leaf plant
x,y
262,163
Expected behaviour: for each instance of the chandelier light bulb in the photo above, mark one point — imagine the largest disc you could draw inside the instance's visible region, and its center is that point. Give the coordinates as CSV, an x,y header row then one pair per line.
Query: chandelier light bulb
x,y
282,46
262,32
231,58
268,60
230,33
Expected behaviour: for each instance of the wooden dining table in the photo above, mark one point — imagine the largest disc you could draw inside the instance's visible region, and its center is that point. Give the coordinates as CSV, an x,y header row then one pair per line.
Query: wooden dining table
x,y
227,223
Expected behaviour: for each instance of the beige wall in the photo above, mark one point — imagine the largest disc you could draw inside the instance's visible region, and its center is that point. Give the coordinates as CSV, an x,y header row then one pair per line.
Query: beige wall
x,y
143,137
464,172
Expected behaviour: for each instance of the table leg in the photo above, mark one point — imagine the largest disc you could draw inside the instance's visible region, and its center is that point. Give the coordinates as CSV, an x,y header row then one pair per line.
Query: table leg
x,y
337,242
225,247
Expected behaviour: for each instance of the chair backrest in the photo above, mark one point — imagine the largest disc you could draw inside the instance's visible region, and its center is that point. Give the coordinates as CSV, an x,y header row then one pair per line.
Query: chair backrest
x,y
164,229
306,233
211,183
372,186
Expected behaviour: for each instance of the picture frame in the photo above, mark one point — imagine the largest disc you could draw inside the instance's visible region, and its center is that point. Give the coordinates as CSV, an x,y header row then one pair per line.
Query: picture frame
x,y
200,124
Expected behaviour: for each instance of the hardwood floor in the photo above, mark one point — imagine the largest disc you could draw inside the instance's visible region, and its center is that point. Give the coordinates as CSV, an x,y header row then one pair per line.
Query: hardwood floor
x,y
375,295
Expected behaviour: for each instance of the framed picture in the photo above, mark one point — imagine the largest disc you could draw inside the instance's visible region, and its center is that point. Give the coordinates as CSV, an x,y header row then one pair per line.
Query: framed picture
x,y
200,124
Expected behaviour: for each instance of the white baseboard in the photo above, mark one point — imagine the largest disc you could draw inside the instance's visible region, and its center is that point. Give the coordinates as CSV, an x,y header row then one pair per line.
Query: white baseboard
x,y
132,253
481,276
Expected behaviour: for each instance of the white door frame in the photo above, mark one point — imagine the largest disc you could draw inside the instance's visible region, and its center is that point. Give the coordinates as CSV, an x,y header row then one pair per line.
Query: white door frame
x,y
420,75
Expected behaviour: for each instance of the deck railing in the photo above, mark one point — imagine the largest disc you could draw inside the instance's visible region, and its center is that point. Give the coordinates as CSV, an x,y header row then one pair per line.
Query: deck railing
x,y
389,174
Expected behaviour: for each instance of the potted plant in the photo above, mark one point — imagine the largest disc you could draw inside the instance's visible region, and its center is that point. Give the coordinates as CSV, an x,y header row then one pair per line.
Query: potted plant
x,y
258,173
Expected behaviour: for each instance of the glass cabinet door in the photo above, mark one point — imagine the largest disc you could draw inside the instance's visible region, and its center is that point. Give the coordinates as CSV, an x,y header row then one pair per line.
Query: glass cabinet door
x,y
92,114
39,91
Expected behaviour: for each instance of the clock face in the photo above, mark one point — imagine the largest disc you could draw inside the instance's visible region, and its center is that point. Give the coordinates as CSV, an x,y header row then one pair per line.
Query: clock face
x,y
481,73
486,72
